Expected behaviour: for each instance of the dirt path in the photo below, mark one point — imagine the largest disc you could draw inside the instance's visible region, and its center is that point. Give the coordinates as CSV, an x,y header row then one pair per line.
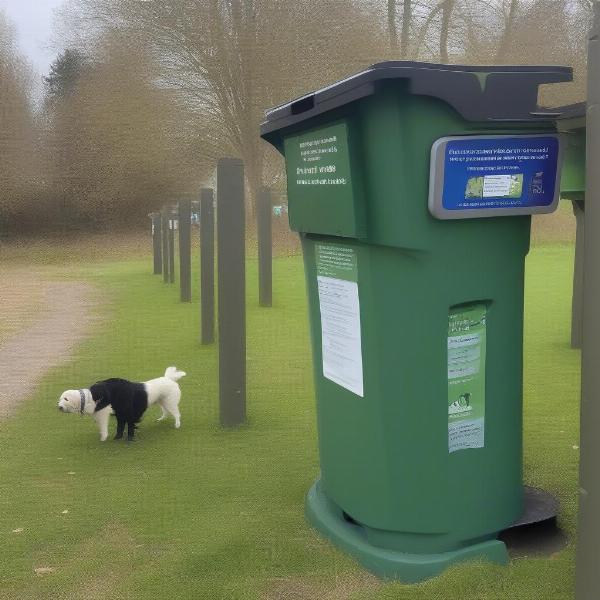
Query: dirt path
x,y
43,323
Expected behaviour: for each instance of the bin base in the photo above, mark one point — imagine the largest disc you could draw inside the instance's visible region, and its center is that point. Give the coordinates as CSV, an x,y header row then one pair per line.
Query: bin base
x,y
389,564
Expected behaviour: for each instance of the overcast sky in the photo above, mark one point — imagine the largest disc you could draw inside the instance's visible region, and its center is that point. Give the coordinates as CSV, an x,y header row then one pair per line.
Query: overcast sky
x,y
33,20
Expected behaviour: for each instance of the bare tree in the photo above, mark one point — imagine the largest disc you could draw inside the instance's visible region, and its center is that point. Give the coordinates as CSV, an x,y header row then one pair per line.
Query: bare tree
x,y
424,31
113,139
18,132
231,59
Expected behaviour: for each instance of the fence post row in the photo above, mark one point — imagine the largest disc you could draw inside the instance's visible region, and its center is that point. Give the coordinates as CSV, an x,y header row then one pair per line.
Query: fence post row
x,y
232,291
165,243
185,250
265,251
207,266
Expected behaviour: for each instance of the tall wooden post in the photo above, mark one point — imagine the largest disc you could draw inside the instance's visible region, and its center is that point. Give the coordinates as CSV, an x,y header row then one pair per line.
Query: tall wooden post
x,y
577,298
185,250
265,248
157,242
165,243
207,266
232,291
171,246
588,544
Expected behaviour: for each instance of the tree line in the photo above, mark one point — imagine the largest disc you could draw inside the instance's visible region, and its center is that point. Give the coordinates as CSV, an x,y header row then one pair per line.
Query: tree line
x,y
144,97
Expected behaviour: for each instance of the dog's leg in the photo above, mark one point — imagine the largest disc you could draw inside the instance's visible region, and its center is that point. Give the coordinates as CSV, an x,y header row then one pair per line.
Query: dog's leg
x,y
120,429
164,413
171,404
130,431
177,416
102,417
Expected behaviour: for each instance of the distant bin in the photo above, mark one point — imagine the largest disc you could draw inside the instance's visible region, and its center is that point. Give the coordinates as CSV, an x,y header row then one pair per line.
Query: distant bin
x,y
412,187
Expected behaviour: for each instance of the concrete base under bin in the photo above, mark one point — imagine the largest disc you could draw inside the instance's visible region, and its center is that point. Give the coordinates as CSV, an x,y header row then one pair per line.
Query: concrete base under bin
x,y
388,564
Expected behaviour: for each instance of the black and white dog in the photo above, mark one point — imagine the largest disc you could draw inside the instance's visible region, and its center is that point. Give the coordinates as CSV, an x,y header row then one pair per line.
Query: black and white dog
x,y
127,399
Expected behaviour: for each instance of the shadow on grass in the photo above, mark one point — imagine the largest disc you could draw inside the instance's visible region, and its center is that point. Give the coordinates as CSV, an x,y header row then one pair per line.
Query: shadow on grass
x,y
537,539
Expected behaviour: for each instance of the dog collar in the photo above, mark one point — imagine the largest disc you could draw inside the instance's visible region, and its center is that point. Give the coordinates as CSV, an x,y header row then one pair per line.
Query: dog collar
x,y
82,395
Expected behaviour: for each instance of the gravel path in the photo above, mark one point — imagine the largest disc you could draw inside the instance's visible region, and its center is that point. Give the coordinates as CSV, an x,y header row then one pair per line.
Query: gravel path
x,y
64,315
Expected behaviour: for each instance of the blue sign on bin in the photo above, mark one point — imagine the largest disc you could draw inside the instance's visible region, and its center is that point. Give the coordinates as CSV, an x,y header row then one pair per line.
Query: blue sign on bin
x,y
494,175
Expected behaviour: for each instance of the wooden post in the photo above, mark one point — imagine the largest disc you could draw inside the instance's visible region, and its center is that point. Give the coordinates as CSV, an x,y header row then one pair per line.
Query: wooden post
x,y
232,291
587,579
207,266
165,243
185,250
157,242
265,248
577,298
171,246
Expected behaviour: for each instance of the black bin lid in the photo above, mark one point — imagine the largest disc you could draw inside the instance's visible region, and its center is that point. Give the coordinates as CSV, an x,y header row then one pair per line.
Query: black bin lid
x,y
510,93
572,111
573,117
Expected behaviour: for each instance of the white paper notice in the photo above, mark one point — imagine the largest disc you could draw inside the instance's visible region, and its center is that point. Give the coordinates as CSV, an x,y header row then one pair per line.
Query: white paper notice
x,y
340,331
496,186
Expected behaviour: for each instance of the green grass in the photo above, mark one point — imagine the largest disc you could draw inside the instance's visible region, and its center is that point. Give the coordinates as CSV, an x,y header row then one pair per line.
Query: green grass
x,y
207,513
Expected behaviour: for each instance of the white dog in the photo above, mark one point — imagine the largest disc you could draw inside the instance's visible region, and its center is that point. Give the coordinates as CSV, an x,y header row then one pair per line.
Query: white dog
x,y
127,399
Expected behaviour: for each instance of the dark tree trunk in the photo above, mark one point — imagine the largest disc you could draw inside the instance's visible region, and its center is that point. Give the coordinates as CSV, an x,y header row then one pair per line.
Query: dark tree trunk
x,y
445,27
393,31
406,22
506,38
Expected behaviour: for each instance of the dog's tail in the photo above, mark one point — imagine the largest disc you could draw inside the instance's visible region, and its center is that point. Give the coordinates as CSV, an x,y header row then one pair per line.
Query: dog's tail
x,y
173,374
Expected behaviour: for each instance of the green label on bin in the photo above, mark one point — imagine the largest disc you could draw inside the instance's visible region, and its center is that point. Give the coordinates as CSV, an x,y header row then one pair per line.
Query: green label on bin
x,y
318,161
466,377
321,192
339,307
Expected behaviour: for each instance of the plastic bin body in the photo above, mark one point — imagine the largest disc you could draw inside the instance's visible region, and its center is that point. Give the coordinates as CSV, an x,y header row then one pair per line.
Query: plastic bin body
x,y
394,490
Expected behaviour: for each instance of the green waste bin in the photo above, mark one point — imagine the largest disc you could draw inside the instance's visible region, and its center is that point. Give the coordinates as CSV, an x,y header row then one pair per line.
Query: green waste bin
x,y
412,186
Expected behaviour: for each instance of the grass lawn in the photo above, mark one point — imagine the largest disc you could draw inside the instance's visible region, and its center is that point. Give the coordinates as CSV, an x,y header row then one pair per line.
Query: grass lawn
x,y
206,513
